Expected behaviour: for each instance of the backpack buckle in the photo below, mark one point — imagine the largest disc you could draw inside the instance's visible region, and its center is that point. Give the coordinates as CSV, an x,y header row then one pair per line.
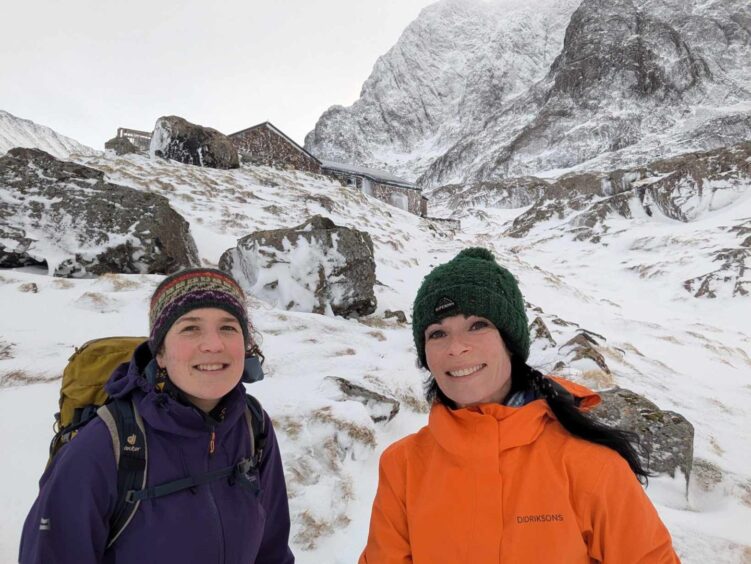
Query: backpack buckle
x,y
244,466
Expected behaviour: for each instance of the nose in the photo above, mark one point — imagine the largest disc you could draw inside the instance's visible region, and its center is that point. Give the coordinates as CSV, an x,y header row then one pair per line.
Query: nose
x,y
457,345
212,341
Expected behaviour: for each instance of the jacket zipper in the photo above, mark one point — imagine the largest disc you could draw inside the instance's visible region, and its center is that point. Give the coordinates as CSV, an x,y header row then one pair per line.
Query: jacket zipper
x,y
214,507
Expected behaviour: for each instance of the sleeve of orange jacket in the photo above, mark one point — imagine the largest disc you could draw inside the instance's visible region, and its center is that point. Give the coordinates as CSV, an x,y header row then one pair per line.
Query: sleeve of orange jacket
x,y
625,526
388,539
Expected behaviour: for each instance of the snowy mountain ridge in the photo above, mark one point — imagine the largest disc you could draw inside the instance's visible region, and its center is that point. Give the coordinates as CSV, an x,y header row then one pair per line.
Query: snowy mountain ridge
x,y
597,84
456,59
18,132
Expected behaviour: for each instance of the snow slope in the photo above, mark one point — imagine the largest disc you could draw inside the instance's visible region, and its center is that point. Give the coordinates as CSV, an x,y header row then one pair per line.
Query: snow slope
x,y
18,132
685,354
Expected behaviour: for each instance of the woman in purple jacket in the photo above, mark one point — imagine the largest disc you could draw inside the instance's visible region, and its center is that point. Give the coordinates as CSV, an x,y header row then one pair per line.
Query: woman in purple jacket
x,y
185,383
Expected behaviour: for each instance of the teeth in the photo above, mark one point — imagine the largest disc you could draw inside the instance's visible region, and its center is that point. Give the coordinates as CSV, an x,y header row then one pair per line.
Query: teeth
x,y
465,371
210,367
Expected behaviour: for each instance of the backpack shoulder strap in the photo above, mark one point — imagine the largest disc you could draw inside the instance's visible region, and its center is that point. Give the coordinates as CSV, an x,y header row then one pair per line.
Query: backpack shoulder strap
x,y
131,456
256,428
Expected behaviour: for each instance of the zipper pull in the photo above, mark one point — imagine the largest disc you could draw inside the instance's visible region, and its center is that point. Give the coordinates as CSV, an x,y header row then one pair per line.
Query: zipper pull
x,y
212,443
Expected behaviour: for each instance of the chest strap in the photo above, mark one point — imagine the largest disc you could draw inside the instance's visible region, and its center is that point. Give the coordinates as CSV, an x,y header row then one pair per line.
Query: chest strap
x,y
243,473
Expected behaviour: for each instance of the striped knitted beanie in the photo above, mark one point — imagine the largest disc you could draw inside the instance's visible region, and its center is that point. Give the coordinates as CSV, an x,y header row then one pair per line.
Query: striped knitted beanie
x,y
192,289
472,283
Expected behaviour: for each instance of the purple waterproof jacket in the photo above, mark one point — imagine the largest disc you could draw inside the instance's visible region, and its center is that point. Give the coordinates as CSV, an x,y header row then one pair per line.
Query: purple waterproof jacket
x,y
217,522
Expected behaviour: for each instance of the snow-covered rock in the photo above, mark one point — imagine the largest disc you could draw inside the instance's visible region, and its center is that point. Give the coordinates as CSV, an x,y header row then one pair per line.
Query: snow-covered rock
x,y
316,267
179,140
17,132
66,217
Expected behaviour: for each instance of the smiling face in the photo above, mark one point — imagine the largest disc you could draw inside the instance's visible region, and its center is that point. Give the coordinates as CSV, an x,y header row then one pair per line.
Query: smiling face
x,y
204,355
469,360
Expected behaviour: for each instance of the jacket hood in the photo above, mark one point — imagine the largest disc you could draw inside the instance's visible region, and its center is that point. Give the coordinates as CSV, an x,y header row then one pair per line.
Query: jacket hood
x,y
586,398
464,431
162,410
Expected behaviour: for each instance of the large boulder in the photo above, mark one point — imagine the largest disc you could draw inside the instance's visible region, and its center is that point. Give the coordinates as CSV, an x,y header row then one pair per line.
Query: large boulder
x,y
67,217
315,267
179,140
120,146
667,437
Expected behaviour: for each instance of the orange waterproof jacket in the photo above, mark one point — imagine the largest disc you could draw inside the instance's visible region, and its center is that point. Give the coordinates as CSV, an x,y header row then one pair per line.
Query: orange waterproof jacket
x,y
501,484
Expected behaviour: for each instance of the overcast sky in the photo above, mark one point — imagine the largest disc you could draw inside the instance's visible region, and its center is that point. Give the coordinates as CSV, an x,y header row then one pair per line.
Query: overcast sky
x,y
86,67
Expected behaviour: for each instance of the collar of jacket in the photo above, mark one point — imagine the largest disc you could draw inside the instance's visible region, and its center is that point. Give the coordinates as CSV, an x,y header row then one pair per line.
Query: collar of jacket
x,y
481,432
163,412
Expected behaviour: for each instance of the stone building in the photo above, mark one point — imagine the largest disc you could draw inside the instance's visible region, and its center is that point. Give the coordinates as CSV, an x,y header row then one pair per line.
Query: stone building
x,y
264,144
379,184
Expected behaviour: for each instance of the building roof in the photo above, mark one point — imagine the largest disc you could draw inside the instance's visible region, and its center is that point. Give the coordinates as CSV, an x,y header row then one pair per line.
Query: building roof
x,y
380,176
279,132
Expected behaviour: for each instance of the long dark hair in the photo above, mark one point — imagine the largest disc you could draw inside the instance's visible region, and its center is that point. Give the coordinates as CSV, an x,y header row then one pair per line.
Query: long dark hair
x,y
566,410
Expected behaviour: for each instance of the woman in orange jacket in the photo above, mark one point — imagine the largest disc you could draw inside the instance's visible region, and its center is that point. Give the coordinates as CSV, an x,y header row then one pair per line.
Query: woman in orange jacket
x,y
508,468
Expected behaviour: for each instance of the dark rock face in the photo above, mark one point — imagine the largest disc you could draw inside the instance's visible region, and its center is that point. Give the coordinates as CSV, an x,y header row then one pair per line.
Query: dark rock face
x,y
667,436
631,54
66,216
314,267
179,140
121,146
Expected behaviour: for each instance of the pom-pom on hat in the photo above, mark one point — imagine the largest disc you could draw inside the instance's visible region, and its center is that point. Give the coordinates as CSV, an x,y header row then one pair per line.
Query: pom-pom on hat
x,y
472,283
192,289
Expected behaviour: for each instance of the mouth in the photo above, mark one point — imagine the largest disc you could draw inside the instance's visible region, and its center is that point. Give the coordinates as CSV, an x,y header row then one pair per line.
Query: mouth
x,y
215,367
464,372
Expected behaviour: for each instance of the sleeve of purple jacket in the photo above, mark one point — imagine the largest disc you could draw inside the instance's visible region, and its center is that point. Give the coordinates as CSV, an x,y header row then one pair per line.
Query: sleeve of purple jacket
x,y
69,521
275,543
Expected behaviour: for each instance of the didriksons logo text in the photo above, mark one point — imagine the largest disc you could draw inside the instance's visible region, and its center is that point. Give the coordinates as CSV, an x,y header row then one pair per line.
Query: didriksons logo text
x,y
541,518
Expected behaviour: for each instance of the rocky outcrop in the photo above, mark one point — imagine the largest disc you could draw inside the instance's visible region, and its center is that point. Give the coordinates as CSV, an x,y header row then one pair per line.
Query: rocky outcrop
x,y
540,334
732,278
514,192
179,140
315,267
685,188
67,217
120,146
583,347
380,407
667,437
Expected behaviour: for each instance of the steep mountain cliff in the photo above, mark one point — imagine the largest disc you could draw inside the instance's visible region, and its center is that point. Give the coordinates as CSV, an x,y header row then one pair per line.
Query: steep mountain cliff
x,y
548,88
455,65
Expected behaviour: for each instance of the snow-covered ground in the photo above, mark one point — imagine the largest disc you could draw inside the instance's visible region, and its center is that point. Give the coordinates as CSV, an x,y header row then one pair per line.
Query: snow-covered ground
x,y
685,354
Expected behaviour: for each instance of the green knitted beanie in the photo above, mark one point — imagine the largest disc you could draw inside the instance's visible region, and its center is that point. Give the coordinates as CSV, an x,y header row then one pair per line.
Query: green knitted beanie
x,y
472,283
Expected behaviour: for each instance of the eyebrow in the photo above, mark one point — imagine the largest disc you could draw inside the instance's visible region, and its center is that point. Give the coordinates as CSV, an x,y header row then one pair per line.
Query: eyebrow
x,y
440,322
228,319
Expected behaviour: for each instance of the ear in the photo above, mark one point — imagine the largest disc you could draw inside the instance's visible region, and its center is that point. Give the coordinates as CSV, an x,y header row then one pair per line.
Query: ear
x,y
159,357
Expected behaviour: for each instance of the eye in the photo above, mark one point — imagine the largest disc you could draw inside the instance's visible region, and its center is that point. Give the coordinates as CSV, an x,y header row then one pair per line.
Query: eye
x,y
436,334
479,324
189,329
230,328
